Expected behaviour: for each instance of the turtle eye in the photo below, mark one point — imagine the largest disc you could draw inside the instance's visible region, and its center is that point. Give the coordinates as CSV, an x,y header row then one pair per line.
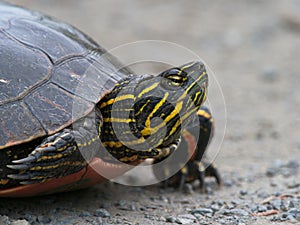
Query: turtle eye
x,y
174,78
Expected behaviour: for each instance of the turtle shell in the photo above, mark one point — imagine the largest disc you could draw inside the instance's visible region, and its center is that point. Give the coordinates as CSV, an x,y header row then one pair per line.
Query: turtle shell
x,y
51,74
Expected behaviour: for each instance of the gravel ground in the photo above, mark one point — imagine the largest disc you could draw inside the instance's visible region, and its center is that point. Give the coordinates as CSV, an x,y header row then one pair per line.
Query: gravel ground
x,y
253,47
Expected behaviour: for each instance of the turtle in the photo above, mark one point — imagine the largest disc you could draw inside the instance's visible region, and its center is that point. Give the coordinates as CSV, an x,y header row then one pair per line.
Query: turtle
x,y
70,109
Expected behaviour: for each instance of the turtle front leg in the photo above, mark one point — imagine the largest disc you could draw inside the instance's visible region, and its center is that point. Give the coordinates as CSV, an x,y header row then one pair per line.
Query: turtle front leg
x,y
58,155
197,167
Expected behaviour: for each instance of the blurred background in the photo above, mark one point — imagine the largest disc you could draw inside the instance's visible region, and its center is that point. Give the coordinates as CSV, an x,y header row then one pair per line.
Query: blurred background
x,y
252,47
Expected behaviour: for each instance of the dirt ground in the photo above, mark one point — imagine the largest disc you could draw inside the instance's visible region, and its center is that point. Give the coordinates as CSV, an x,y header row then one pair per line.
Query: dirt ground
x,y
253,48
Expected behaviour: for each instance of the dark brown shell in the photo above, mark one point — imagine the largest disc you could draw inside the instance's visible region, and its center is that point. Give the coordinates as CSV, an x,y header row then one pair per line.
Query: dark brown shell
x,y
51,74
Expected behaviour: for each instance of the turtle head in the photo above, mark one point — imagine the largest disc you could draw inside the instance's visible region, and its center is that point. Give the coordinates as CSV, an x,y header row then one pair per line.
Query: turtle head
x,y
165,103
144,114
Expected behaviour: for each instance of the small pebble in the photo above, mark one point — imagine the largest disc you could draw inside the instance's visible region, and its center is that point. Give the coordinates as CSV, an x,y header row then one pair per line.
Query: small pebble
x,y
284,206
199,216
262,208
20,222
231,205
236,212
236,202
294,212
84,214
293,164
183,221
170,219
228,183
102,213
43,219
271,172
189,217
289,216
262,194
243,192
293,184
276,203
162,219
4,220
215,207
123,205
219,202
203,211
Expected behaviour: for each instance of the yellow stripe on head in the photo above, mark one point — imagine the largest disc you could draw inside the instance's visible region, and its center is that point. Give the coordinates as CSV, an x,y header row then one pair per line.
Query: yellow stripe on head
x,y
150,88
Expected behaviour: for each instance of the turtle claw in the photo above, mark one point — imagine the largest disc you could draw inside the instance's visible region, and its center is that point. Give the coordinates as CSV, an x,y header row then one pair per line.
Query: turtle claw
x,y
19,176
28,159
26,178
36,154
212,171
30,182
19,167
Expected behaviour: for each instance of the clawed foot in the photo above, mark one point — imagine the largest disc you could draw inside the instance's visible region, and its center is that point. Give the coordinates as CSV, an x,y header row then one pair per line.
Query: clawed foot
x,y
53,158
192,171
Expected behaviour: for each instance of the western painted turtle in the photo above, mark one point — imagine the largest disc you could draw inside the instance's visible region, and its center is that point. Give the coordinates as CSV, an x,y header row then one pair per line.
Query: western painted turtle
x,y
62,95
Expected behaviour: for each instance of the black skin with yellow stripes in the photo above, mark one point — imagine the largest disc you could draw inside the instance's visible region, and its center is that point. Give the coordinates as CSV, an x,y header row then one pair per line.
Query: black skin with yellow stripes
x,y
138,109
64,101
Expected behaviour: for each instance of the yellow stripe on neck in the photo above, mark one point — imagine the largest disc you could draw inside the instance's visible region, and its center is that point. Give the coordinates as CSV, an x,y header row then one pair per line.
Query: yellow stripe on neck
x,y
118,98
